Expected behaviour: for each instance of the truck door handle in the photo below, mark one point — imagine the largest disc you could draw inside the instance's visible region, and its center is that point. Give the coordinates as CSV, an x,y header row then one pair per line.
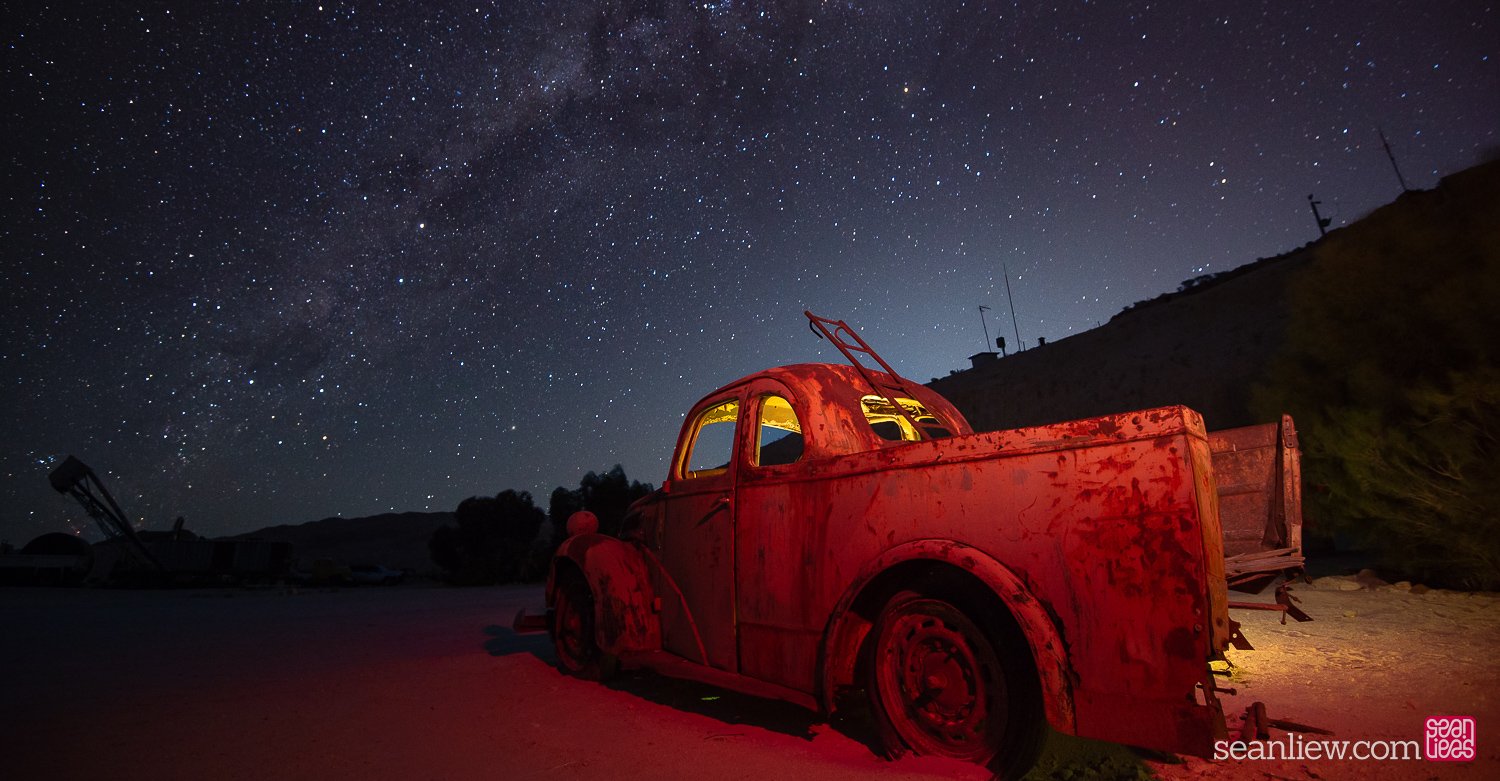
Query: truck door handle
x,y
722,503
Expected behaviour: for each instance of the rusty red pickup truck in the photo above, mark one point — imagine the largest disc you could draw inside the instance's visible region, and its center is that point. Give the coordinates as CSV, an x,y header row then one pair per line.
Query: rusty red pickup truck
x,y
826,529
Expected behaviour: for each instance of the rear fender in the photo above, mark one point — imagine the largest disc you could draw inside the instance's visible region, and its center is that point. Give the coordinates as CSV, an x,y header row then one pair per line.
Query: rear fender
x,y
625,618
846,629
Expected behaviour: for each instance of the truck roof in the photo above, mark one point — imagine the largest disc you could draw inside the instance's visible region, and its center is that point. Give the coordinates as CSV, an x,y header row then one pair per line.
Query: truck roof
x,y
831,398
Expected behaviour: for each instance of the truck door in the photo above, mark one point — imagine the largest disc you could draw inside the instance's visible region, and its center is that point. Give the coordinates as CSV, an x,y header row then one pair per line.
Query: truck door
x,y
697,538
779,533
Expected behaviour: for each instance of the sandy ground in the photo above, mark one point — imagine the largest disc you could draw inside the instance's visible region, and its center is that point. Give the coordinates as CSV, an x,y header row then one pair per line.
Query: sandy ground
x,y
1375,662
426,682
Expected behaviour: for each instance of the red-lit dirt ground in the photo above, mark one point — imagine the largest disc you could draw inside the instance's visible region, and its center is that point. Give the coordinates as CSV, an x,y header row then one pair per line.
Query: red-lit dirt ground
x,y
426,682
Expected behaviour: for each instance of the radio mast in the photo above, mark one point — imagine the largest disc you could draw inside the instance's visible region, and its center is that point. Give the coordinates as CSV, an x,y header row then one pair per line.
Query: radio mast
x,y
1020,345
1392,156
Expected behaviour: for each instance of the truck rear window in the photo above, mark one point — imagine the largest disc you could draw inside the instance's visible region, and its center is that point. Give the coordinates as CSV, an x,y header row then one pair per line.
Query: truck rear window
x,y
889,424
780,433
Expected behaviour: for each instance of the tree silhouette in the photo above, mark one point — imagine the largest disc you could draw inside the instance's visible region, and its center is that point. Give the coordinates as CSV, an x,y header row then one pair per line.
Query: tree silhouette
x,y
607,495
562,504
491,540
496,538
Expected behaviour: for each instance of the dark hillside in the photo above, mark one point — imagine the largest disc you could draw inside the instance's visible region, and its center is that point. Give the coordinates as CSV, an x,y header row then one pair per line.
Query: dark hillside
x,y
1204,348
1392,367
1383,341
397,540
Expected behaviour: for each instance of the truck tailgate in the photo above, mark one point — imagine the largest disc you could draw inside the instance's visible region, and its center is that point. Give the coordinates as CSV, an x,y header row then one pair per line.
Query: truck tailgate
x,y
1259,475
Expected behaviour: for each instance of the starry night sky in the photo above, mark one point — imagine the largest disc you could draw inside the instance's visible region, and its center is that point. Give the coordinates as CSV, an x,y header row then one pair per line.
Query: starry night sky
x,y
265,263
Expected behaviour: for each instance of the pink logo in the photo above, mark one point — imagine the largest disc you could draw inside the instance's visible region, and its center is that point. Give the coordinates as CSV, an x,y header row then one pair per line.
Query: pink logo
x,y
1450,738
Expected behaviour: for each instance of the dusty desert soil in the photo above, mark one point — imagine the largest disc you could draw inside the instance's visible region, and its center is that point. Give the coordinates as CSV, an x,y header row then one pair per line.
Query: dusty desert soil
x,y
426,682
1375,662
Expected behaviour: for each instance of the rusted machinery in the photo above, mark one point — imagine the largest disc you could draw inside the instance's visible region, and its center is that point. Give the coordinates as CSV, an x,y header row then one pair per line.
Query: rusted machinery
x,y
74,478
163,558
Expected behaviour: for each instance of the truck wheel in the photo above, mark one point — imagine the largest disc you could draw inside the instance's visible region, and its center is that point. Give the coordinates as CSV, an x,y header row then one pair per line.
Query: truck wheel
x,y
938,687
573,631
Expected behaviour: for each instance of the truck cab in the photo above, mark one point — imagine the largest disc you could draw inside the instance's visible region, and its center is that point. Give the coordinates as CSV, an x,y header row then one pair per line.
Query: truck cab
x,y
737,513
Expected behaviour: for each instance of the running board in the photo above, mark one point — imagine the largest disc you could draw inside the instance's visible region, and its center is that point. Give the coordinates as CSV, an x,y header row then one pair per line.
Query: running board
x,y
674,666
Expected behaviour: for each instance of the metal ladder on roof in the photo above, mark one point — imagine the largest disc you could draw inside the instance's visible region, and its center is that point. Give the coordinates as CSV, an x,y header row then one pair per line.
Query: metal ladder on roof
x,y
847,340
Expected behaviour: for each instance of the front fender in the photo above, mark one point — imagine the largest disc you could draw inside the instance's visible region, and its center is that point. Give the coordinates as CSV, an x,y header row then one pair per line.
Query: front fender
x,y
846,630
625,616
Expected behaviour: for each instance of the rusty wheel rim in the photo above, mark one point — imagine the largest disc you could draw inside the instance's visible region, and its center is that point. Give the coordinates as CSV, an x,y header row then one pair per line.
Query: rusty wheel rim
x,y
938,680
572,631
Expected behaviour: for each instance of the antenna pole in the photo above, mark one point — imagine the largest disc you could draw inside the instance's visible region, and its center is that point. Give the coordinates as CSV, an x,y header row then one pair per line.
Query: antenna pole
x,y
1020,345
1323,222
1392,156
985,326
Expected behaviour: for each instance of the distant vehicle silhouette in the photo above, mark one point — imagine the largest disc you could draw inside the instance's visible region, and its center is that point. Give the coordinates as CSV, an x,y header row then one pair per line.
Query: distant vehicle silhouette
x,y
375,575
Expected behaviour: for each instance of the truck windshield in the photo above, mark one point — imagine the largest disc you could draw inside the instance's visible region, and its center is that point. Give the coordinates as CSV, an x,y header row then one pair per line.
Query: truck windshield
x,y
713,441
889,423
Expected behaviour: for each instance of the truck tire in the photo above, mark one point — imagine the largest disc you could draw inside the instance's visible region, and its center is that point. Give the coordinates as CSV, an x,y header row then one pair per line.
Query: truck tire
x,y
941,685
578,654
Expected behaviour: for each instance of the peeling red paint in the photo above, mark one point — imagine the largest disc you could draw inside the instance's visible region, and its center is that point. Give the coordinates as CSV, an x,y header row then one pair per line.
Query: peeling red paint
x,y
1111,565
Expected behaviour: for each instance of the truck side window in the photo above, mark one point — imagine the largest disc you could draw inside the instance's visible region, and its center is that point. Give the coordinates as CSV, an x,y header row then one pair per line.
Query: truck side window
x,y
780,439
889,424
713,441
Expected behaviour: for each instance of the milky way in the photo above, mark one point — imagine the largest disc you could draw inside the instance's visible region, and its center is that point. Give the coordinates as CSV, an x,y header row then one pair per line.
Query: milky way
x,y
272,262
